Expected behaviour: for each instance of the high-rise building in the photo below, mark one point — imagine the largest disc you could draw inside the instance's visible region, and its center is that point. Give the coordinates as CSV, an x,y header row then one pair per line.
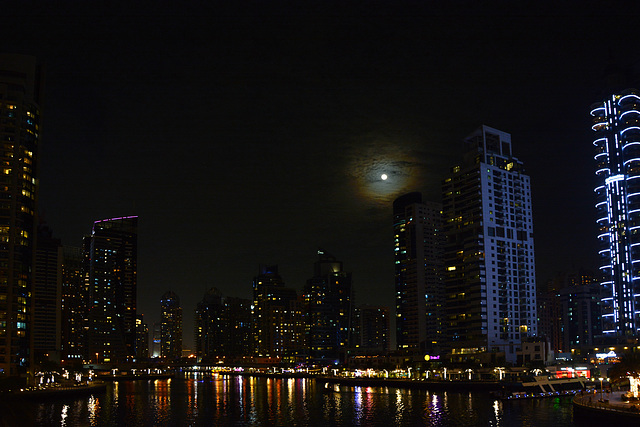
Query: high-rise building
x,y
222,327
569,311
171,321
489,257
581,315
74,306
277,317
617,134
156,343
112,257
47,316
418,245
372,329
20,98
329,308
142,338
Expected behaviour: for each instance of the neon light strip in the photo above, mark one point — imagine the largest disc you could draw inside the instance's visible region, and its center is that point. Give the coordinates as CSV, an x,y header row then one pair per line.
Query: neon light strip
x,y
635,159
596,109
629,128
628,96
629,111
115,219
614,178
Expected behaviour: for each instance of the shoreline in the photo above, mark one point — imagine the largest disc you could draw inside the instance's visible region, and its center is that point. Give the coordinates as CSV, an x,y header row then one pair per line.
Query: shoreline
x,y
588,406
449,385
62,391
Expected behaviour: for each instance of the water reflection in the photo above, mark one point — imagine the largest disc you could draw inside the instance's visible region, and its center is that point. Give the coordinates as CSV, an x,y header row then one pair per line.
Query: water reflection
x,y
247,401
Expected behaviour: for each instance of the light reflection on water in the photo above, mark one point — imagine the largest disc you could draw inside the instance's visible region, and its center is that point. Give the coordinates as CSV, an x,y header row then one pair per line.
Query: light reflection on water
x,y
248,401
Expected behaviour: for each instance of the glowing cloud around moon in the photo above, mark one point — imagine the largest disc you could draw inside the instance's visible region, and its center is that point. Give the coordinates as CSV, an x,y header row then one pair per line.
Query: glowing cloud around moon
x,y
384,177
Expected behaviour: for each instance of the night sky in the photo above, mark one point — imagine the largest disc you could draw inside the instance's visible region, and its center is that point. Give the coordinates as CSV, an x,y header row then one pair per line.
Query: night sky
x,y
256,133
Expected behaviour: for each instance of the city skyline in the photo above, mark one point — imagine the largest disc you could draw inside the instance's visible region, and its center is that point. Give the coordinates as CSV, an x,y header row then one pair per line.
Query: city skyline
x,y
242,139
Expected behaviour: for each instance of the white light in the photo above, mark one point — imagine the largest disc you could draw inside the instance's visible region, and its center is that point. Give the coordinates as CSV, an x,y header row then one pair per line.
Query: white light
x,y
384,177
614,178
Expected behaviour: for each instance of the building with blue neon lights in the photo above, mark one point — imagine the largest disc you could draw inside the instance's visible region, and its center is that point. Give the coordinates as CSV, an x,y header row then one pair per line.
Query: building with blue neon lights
x,y
616,122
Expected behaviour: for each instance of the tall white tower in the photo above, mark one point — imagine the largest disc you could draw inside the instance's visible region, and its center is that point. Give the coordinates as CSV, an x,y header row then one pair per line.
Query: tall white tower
x,y
489,259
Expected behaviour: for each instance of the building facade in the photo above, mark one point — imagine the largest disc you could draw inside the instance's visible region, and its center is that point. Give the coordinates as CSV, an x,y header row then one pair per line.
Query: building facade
x,y
47,316
223,327
616,123
112,258
329,309
20,99
418,246
372,329
277,317
171,324
489,254
142,338
74,306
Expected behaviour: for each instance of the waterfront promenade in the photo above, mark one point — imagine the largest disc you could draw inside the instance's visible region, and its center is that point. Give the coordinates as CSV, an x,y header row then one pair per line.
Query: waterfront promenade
x,y
605,406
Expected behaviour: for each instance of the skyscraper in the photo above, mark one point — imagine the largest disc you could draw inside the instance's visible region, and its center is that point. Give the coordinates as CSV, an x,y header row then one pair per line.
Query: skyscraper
x,y
489,258
74,306
372,329
113,258
277,319
171,321
142,338
223,327
329,308
418,245
616,123
48,296
20,98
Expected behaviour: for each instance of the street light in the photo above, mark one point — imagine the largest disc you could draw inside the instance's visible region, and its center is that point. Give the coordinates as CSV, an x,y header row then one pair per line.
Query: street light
x,y
601,397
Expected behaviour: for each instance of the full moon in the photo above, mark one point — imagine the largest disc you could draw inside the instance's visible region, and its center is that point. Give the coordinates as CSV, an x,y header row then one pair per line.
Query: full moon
x,y
384,177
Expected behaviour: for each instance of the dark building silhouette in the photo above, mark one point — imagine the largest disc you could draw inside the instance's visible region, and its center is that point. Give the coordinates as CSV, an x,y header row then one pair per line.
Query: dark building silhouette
x,y
372,329
142,338
156,343
569,314
329,309
222,327
74,306
47,296
171,321
112,251
20,99
418,246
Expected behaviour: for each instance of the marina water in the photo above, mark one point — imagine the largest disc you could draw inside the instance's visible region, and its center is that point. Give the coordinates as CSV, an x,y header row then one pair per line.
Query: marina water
x,y
197,399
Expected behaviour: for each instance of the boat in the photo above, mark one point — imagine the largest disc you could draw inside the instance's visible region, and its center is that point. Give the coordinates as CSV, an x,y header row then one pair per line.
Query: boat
x,y
540,387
